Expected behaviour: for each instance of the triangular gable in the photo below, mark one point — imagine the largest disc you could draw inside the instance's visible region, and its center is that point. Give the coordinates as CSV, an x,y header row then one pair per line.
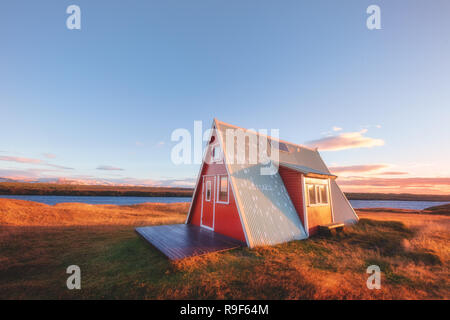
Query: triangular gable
x,y
216,132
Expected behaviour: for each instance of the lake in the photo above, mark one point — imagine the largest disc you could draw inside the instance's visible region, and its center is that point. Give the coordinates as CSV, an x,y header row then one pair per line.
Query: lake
x,y
414,205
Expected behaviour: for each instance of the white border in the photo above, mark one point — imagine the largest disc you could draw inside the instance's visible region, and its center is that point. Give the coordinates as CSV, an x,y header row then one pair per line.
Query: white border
x,y
218,189
213,204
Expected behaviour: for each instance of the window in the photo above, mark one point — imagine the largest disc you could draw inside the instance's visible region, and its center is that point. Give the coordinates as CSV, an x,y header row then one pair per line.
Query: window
x,y
281,146
311,194
216,154
223,189
208,191
317,194
323,194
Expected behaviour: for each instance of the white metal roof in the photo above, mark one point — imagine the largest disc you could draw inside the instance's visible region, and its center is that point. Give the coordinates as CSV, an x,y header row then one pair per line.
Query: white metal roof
x,y
266,209
264,205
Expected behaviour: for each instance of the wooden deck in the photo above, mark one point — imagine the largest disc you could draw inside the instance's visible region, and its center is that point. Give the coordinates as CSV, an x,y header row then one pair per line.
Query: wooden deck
x,y
178,241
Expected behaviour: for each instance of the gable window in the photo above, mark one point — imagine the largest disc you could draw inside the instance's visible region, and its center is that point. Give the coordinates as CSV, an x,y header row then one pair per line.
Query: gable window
x,y
223,189
208,191
317,194
216,154
281,145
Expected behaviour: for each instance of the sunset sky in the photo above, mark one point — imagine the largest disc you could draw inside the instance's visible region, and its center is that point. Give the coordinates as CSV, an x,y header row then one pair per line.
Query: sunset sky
x,y
100,103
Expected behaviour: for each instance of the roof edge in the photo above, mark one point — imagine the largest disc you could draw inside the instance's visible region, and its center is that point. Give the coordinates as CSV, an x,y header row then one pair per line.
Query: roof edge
x,y
276,139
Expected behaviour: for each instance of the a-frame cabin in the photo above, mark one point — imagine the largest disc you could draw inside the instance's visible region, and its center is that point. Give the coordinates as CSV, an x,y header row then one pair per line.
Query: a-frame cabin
x,y
236,204
234,199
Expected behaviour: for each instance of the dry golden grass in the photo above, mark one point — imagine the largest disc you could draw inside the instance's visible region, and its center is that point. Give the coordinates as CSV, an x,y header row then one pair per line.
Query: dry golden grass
x,y
38,242
29,213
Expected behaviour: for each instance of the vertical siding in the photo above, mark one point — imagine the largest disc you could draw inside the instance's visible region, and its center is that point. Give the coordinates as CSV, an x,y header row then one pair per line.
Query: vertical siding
x,y
293,182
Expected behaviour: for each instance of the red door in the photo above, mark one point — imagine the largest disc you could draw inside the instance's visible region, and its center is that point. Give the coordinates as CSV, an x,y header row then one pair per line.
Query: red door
x,y
208,202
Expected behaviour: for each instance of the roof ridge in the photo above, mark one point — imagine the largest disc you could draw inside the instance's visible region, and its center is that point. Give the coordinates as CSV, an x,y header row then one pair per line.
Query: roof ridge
x,y
217,121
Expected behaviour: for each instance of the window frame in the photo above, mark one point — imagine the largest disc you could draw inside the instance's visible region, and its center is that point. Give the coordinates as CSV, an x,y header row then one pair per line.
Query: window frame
x,y
208,183
269,142
219,181
214,157
325,187
313,187
318,194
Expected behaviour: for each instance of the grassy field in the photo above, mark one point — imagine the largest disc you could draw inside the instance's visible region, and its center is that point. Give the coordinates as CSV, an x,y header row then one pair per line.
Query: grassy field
x,y
38,242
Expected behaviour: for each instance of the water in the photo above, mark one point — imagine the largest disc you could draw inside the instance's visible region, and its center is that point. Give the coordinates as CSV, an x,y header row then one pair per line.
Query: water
x,y
97,199
413,205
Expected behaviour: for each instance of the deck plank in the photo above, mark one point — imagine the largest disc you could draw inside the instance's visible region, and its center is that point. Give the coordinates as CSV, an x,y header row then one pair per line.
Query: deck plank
x,y
178,241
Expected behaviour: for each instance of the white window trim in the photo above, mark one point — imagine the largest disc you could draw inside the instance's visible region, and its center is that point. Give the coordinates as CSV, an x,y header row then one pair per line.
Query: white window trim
x,y
218,189
208,182
318,195
213,158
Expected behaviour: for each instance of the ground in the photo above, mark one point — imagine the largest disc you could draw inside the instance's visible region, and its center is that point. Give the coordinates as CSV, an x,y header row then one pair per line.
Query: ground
x,y
38,242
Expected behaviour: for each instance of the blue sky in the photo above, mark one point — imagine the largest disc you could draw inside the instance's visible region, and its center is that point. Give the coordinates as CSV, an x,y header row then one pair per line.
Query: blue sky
x,y
111,93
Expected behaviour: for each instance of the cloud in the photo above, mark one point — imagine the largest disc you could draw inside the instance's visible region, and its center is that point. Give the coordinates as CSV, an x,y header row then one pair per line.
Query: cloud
x,y
347,140
49,155
425,185
58,166
32,161
392,173
109,168
358,168
20,159
337,128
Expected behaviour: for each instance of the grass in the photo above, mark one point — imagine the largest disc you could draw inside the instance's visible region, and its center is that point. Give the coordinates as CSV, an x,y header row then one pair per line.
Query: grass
x,y
411,250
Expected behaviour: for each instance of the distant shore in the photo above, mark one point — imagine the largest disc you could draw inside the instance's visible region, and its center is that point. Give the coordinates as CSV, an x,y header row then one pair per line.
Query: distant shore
x,y
51,189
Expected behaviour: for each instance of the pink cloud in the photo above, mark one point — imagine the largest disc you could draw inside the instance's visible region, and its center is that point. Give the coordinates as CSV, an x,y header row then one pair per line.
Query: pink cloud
x,y
392,173
346,140
19,159
437,185
32,161
49,155
358,168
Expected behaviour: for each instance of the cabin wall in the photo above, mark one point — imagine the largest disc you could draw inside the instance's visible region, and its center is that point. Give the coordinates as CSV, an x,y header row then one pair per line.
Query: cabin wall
x,y
293,182
226,216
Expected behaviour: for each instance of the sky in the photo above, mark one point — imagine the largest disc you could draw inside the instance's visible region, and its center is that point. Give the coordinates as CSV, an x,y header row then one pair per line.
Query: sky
x,y
100,103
